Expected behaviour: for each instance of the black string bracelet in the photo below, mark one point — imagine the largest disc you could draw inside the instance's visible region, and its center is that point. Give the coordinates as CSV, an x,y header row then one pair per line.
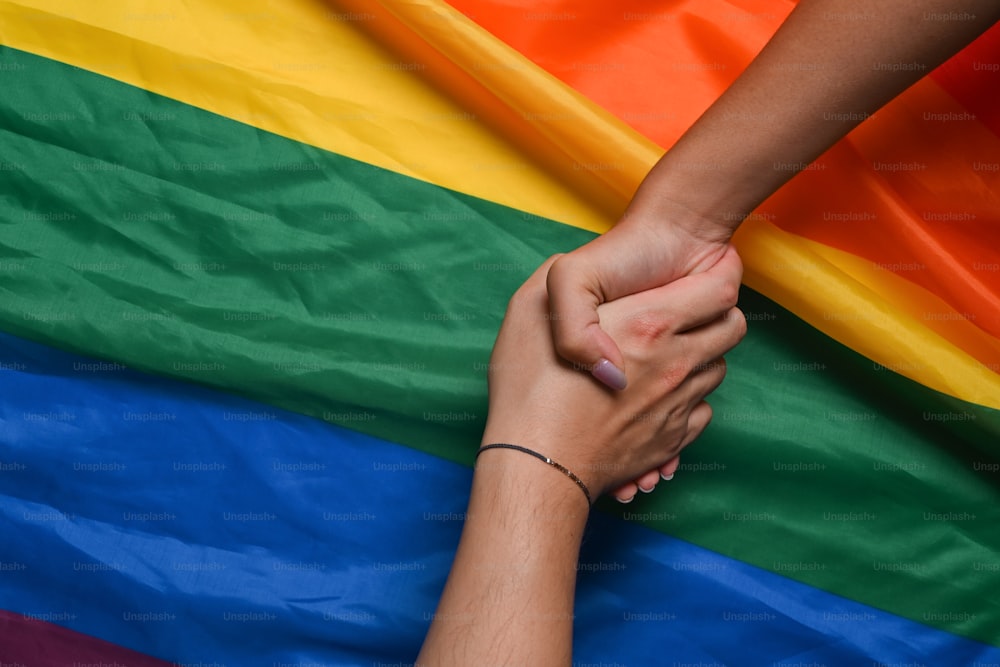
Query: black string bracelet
x,y
561,468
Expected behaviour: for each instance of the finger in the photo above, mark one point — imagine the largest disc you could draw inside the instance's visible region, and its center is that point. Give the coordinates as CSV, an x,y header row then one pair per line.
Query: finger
x,y
647,482
705,379
683,304
530,303
540,275
668,469
698,421
575,293
706,344
698,352
626,493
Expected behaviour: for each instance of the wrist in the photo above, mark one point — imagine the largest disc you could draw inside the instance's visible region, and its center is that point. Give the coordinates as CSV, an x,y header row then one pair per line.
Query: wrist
x,y
664,202
547,461
705,200
512,583
689,242
525,484
535,434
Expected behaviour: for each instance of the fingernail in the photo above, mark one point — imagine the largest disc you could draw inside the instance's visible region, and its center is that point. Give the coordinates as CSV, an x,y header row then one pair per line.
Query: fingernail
x,y
649,490
666,478
625,502
609,374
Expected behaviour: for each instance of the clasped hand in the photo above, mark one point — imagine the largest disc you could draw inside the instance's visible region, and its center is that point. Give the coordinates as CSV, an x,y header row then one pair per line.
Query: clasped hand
x,y
672,339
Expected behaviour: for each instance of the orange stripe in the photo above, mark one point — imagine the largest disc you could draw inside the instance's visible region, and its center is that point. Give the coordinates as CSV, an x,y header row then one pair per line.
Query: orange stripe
x,y
973,78
905,193
658,66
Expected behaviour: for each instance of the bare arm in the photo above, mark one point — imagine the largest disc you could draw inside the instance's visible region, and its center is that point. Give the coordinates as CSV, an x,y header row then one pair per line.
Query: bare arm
x,y
829,66
509,597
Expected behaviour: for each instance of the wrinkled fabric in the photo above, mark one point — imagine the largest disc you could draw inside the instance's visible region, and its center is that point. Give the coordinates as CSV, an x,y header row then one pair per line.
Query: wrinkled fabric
x,y
202,528
324,209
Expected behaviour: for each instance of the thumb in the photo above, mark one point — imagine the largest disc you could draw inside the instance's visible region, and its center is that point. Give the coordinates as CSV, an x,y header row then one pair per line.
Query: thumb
x,y
575,292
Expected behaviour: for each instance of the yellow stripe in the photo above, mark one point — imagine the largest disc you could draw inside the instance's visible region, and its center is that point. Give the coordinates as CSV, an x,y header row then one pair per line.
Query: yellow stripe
x,y
871,310
579,136
314,75
875,312
304,70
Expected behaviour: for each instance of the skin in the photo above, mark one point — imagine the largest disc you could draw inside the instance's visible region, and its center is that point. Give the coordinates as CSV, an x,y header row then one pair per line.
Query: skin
x,y
819,69
814,71
509,596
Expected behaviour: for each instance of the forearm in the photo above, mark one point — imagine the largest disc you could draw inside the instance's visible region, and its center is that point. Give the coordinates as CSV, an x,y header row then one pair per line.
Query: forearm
x,y
509,597
830,65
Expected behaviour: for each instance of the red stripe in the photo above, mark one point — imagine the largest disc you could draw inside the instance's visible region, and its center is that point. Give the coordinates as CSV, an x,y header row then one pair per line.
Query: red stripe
x,y
28,642
973,78
931,215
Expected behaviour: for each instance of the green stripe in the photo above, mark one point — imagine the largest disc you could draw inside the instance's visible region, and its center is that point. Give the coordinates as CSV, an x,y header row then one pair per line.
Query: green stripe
x,y
139,229
823,466
315,282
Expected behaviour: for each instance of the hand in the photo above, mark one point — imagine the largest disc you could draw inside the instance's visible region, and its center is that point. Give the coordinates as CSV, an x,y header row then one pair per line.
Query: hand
x,y
640,253
672,339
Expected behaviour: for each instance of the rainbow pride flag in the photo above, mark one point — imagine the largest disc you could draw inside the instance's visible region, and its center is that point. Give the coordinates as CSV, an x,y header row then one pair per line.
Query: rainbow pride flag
x,y
253,257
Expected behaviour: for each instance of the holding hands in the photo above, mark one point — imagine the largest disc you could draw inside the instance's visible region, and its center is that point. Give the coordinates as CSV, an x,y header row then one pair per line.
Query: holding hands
x,y
649,309
509,597
671,341
640,253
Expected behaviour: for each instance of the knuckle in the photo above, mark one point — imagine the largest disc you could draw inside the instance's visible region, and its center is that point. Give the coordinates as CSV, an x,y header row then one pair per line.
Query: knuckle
x,y
739,320
729,294
646,327
716,366
561,270
672,377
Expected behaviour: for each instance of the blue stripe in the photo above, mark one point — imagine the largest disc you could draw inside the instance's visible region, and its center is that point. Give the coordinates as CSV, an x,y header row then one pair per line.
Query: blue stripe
x,y
203,528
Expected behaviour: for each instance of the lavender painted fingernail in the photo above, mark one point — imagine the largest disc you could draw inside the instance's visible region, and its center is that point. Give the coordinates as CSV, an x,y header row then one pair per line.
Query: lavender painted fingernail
x,y
609,374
